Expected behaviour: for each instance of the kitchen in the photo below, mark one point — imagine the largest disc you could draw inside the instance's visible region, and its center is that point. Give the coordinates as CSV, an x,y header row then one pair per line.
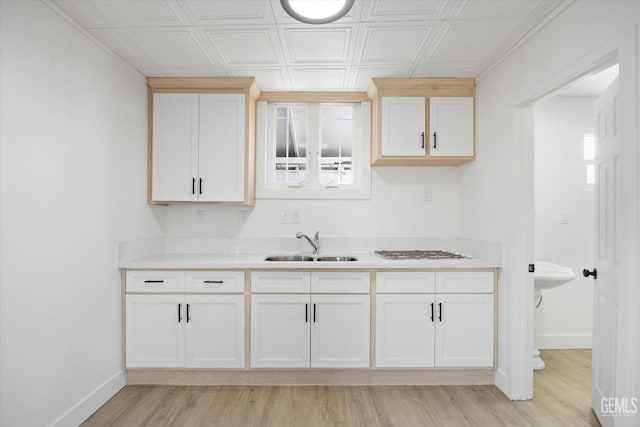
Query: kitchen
x,y
74,187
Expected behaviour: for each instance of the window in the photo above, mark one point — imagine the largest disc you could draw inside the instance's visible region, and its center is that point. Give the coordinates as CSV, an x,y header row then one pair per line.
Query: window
x,y
589,150
313,150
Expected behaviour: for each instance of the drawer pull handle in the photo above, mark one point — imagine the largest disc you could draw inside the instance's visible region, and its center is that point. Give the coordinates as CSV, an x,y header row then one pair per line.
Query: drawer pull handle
x,y
154,281
188,313
314,313
432,312
179,313
214,281
440,315
306,313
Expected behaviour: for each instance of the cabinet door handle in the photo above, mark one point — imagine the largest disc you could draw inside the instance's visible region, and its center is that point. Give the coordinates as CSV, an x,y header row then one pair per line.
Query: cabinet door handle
x,y
188,318
306,313
422,139
440,314
193,186
314,313
179,313
435,144
214,281
432,311
154,281
200,185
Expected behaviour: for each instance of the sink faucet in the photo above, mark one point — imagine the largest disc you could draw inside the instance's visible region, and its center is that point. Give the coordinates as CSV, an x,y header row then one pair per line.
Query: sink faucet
x,y
315,243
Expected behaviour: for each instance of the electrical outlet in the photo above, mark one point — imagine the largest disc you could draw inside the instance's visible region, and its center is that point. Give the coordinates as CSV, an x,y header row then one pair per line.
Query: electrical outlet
x,y
242,218
201,216
564,218
427,193
295,217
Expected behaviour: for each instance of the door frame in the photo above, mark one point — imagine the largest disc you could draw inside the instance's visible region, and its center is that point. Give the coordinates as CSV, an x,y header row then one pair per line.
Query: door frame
x,y
518,383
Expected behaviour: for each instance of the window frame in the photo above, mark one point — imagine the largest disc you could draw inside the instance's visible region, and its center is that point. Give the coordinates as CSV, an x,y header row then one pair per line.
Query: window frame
x,y
267,188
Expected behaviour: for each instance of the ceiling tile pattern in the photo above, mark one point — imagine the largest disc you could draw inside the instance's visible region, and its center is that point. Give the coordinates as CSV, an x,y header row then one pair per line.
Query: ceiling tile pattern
x,y
378,38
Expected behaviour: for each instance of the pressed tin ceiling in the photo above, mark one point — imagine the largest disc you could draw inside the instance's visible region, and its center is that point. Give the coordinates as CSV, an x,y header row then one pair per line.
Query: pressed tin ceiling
x,y
256,38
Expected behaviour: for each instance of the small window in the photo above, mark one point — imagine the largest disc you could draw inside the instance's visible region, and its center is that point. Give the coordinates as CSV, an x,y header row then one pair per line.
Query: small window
x,y
313,150
589,150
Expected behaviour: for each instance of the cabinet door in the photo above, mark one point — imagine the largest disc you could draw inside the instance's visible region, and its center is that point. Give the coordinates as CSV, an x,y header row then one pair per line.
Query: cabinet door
x,y
340,332
215,331
464,330
402,126
221,148
175,146
280,331
155,331
451,126
405,330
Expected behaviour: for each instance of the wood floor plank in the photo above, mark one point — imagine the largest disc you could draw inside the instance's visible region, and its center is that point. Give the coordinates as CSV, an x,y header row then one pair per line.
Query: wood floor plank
x,y
561,398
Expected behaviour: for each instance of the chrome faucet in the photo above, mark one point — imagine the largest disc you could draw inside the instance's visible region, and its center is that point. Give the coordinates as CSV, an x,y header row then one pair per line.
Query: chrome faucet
x,y
315,243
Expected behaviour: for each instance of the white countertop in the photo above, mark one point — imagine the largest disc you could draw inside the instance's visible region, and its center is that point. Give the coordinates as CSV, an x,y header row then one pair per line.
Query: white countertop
x,y
367,261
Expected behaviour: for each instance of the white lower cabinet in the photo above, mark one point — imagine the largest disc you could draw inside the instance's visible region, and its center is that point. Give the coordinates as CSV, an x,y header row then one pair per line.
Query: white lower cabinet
x,y
280,331
464,330
405,332
435,329
200,331
310,330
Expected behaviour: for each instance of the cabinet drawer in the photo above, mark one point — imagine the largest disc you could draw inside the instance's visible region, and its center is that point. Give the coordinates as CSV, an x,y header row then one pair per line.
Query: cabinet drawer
x,y
340,283
401,282
280,282
215,281
155,281
453,282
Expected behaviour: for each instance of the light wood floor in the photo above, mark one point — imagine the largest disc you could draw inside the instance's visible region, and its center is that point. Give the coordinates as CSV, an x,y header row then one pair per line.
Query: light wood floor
x,y
561,398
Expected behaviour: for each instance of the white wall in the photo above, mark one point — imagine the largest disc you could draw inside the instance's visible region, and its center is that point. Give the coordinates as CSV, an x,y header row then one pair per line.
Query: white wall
x,y
73,184
564,319
490,187
397,208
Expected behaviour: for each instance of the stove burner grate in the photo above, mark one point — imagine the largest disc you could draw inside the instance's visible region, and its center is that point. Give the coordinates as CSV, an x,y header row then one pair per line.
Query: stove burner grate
x,y
417,254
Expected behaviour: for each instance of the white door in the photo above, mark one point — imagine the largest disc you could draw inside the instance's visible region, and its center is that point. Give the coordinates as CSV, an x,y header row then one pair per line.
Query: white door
x,y
402,126
214,331
340,331
174,147
155,331
280,331
405,330
451,126
603,383
221,148
464,330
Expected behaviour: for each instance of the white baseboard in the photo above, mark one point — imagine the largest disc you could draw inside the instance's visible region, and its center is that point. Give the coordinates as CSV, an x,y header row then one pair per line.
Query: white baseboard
x,y
552,342
500,379
83,409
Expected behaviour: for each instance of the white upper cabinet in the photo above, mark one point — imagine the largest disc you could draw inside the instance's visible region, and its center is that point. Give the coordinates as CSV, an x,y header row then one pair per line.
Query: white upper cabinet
x,y
403,126
198,147
451,126
202,144
221,148
407,113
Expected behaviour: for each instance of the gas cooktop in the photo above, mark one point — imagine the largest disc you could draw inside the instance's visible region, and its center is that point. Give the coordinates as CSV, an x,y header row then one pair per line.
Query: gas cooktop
x,y
416,254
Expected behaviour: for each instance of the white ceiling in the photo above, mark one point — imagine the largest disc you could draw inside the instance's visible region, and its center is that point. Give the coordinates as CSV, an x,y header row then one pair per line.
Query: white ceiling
x,y
378,38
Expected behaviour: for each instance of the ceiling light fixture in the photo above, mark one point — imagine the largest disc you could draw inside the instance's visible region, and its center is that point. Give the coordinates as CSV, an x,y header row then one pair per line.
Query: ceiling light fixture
x,y
317,11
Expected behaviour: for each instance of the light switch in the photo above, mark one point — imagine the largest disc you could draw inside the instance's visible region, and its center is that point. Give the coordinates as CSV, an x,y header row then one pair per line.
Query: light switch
x,y
295,216
564,218
284,217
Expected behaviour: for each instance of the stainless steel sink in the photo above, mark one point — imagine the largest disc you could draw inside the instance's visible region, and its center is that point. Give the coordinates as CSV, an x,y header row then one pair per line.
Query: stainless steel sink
x,y
299,258
337,258
289,258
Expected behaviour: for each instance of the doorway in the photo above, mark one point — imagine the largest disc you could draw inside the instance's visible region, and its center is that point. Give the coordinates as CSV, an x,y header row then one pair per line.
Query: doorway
x,y
564,211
